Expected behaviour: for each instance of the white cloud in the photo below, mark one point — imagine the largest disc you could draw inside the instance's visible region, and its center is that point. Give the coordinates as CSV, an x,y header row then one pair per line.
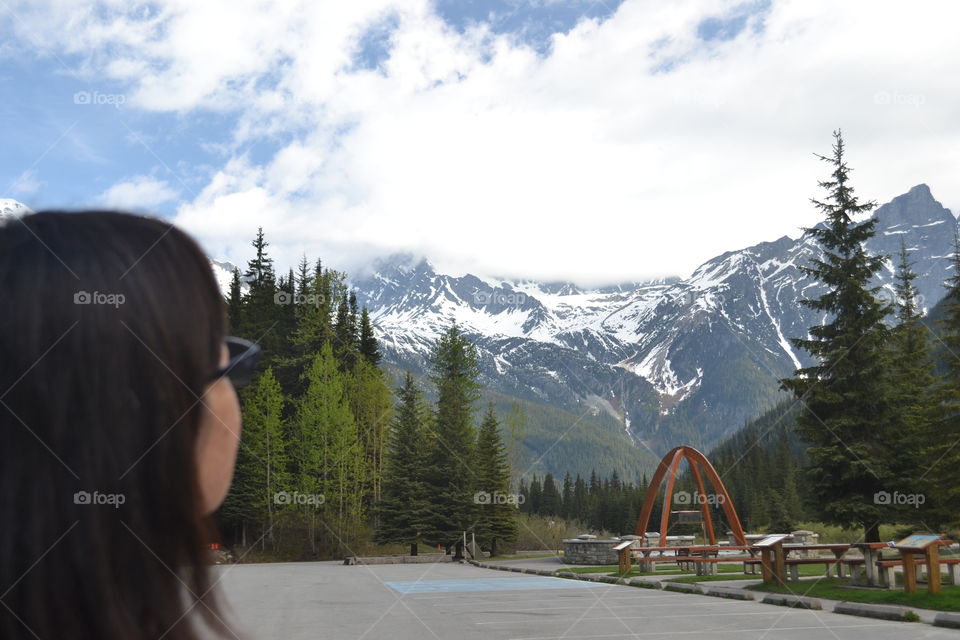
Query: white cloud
x,y
26,184
632,149
139,193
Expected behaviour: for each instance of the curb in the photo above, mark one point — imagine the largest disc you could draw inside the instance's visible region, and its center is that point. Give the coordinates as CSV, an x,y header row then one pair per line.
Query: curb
x,y
645,584
683,587
949,620
797,602
879,611
727,592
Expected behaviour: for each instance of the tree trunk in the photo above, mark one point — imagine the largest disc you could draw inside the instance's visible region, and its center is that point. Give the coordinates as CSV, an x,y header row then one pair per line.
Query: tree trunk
x,y
413,548
871,532
493,547
458,549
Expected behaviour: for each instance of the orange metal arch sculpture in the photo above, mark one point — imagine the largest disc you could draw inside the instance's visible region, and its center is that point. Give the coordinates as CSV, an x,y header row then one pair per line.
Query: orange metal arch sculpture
x,y
698,462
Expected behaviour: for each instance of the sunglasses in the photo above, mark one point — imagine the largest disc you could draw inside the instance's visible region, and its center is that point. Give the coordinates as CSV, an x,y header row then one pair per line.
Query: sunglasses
x,y
244,356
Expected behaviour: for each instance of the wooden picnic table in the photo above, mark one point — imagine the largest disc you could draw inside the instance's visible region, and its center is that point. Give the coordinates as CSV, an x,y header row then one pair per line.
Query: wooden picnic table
x,y
774,558
873,554
699,555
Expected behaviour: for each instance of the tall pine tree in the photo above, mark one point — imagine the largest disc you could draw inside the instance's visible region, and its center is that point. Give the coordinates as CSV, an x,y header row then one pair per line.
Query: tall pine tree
x,y
403,507
497,516
455,372
846,394
940,471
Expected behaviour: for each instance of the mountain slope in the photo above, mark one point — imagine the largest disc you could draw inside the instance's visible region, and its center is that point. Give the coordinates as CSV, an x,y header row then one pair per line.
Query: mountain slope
x,y
683,361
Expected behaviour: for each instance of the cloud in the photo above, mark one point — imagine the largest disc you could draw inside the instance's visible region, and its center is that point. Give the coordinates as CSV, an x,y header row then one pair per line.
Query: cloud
x,y
26,184
638,145
138,193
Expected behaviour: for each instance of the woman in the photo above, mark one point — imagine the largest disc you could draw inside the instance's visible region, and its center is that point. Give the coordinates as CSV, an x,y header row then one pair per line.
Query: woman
x,y
119,428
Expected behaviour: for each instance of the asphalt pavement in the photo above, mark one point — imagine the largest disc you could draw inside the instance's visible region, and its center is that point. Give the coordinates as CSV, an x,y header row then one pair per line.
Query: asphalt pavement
x,y
293,601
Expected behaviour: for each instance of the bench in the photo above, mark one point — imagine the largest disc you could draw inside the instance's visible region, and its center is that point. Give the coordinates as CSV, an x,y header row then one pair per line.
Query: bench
x,y
888,569
794,565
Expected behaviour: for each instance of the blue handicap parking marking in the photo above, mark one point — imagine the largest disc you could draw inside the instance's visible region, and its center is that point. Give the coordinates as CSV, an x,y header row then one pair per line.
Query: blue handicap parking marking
x,y
487,584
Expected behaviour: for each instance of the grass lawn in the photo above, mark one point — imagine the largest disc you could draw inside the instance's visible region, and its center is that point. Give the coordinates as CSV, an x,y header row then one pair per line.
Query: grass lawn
x,y
735,572
834,589
605,569
735,576
523,556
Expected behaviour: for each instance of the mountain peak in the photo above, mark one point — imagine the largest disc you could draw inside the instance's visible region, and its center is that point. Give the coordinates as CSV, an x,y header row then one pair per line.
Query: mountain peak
x,y
921,189
402,263
916,207
10,208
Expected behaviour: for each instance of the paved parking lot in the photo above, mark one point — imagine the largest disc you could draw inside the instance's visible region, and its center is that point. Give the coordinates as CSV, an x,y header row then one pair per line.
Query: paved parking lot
x,y
293,601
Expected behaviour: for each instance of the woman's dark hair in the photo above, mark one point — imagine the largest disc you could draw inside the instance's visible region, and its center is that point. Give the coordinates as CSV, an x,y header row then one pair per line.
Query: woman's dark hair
x,y
110,326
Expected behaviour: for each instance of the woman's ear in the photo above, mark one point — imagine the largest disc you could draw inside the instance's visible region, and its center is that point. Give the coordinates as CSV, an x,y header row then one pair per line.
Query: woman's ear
x,y
218,439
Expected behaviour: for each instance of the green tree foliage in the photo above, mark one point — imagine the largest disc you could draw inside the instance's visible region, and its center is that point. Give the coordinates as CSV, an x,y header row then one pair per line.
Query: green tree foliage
x,y
318,420
602,504
235,304
455,372
261,470
847,398
371,403
261,313
328,451
496,518
940,467
369,346
403,508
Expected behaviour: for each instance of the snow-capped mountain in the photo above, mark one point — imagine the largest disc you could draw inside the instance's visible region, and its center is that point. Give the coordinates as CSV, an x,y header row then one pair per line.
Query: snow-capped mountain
x,y
10,208
223,272
681,361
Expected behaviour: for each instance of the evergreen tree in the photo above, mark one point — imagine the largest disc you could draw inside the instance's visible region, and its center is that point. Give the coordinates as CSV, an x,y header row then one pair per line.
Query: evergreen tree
x,y
369,346
913,384
941,468
262,312
496,517
566,497
550,499
314,327
235,304
455,372
345,337
403,507
846,393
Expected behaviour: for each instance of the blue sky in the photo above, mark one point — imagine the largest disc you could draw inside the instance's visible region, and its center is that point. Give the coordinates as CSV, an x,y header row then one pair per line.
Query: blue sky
x,y
498,136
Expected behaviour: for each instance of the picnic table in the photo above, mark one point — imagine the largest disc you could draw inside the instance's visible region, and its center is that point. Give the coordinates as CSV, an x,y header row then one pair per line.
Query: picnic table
x,y
703,558
775,552
880,571
872,554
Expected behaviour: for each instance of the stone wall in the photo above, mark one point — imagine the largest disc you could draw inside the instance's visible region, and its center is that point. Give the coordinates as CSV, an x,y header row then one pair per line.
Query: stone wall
x,y
589,551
